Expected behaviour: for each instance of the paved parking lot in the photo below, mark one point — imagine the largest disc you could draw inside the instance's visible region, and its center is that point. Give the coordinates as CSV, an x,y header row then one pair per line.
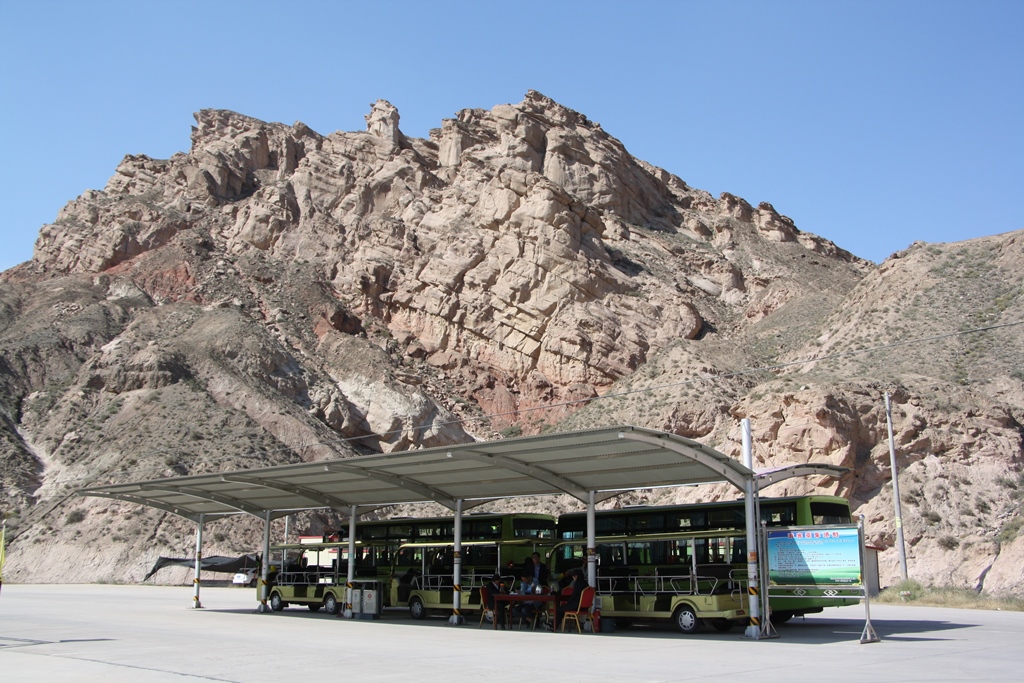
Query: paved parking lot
x,y
109,633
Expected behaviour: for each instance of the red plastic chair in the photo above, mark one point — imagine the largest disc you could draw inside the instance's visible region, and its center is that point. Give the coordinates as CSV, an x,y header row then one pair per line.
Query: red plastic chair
x,y
586,603
551,613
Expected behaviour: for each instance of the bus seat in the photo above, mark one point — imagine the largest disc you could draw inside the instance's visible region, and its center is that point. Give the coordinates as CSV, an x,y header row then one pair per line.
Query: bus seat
x,y
718,572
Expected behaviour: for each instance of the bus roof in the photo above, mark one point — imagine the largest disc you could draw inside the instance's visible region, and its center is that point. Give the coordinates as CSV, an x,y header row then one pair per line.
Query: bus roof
x,y
644,538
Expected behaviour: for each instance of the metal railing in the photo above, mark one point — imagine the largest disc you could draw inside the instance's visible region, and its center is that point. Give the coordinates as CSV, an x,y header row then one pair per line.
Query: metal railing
x,y
677,584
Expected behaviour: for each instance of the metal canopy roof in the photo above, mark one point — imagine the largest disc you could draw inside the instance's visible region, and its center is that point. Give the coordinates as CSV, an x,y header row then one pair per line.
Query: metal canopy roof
x,y
602,460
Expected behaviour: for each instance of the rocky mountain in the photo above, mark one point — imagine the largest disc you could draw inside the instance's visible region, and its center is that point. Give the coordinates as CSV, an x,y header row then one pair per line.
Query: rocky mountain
x,y
277,295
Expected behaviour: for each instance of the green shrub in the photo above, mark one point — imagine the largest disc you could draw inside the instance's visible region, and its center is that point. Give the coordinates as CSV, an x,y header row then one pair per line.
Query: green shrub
x,y
1011,529
1006,482
75,516
947,596
904,591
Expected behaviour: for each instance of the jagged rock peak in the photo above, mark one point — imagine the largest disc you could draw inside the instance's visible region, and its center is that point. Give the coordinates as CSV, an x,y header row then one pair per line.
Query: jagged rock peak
x,y
216,124
541,105
382,122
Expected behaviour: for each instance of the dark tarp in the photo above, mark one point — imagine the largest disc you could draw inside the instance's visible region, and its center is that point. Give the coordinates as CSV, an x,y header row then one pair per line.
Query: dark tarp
x,y
216,563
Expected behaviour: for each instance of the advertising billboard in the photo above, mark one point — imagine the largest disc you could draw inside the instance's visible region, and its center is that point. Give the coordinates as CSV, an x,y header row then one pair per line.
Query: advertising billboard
x,y
814,556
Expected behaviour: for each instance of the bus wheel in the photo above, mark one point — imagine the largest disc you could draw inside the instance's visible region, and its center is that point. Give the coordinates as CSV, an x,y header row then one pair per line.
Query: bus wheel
x,y
723,625
416,608
276,603
313,608
331,604
686,619
781,617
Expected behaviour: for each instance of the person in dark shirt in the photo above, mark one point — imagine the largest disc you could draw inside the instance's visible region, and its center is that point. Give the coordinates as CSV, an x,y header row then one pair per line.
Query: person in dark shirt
x,y
499,610
579,582
537,570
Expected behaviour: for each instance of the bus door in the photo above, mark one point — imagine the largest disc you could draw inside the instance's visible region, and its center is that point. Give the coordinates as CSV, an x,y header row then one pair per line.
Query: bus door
x,y
409,565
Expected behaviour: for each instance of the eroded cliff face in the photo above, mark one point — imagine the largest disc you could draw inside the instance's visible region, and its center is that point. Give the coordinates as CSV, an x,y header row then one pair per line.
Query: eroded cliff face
x,y
276,295
521,251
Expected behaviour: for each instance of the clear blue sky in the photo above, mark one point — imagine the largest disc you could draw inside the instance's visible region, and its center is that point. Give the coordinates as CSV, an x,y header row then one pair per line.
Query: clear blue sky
x,y
873,124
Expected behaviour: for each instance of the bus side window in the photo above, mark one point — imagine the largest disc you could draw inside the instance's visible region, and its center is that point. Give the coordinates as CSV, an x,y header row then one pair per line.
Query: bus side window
x,y
658,552
639,554
739,551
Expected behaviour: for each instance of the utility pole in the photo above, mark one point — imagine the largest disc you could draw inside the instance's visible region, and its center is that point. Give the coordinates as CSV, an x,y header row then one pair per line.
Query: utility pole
x,y
900,546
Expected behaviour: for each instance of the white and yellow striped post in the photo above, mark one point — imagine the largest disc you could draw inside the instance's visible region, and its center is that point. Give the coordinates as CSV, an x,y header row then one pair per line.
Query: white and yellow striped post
x,y
199,563
456,618
351,570
265,574
591,541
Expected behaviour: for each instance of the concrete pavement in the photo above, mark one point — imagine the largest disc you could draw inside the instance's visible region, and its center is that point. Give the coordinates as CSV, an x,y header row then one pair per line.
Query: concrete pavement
x,y
107,633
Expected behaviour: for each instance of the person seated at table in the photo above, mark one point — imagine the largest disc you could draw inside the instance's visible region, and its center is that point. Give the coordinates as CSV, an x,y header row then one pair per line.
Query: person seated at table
x,y
498,609
579,582
568,575
526,610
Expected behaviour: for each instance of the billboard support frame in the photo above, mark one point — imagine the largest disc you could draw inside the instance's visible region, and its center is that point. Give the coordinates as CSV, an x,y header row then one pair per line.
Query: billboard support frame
x,y
868,635
835,588
767,630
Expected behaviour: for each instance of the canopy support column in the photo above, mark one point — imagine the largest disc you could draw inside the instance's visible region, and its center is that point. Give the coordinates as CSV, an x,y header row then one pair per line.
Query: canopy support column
x,y
199,562
265,578
456,618
351,575
591,541
750,513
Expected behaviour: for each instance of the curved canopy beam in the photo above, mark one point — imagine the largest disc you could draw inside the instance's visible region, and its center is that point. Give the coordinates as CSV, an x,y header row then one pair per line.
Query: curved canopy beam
x,y
733,472
765,478
538,473
174,510
401,482
308,493
253,510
